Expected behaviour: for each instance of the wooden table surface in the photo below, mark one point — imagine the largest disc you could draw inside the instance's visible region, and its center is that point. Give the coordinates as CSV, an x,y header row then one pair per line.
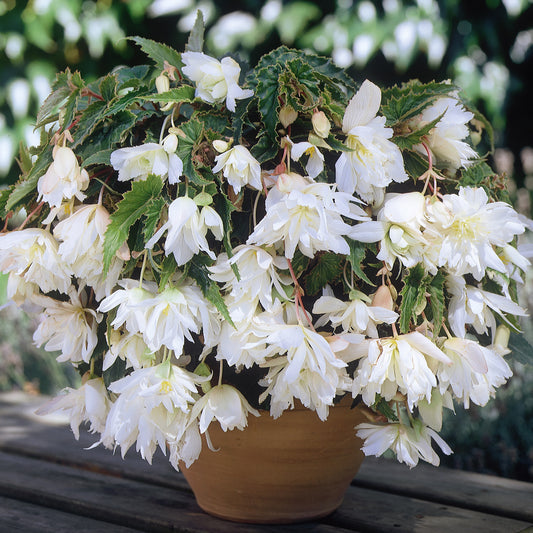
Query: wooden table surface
x,y
50,483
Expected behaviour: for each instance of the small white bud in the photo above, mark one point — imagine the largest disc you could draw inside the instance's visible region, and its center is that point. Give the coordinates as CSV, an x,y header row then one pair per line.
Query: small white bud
x,y
321,124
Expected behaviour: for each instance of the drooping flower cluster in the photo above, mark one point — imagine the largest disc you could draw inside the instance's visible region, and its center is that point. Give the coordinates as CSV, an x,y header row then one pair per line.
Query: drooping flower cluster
x,y
277,242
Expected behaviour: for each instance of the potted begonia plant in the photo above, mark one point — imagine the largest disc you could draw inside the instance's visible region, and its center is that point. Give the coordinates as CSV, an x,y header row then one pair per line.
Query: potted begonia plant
x,y
211,247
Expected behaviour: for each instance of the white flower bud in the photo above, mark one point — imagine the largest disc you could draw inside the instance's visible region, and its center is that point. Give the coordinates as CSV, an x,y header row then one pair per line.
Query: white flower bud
x,y
162,83
170,143
321,124
221,146
287,115
383,298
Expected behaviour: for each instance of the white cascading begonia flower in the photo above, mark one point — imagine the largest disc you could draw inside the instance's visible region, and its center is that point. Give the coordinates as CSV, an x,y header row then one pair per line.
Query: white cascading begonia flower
x,y
187,227
471,305
258,277
68,327
152,409
24,295
476,371
32,254
85,256
315,158
130,347
399,228
239,168
137,162
63,180
225,404
308,216
465,228
408,443
397,364
89,403
216,81
446,139
301,364
354,315
128,302
374,161
176,312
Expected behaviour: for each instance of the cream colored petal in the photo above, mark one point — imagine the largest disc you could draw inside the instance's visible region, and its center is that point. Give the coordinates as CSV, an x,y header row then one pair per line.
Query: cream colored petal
x,y
363,107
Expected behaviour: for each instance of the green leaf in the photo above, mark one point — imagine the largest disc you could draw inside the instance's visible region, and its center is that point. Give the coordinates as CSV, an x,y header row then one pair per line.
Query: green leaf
x,y
24,188
521,349
129,210
99,158
408,141
108,87
264,149
152,213
356,258
198,271
403,103
159,53
326,269
168,269
435,288
89,121
121,103
224,207
412,293
187,149
267,94
183,93
196,37
382,406
51,105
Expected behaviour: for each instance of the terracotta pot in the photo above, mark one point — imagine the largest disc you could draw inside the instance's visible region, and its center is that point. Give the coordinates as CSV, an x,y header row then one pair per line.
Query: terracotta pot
x,y
291,469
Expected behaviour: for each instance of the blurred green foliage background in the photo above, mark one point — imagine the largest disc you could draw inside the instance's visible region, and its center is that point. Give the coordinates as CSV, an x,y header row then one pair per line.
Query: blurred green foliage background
x,y
485,46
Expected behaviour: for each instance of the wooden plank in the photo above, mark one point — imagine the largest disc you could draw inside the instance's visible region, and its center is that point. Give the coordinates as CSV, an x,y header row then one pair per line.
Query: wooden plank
x,y
121,501
490,494
377,512
21,517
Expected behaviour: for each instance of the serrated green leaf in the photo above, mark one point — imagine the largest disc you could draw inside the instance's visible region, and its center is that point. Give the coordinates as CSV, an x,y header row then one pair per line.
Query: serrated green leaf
x,y
475,175
129,210
264,149
267,94
187,149
108,87
326,269
412,292
183,93
224,207
400,104
4,196
158,52
99,158
51,105
356,258
299,263
406,142
198,271
152,213
195,43
122,102
24,159
89,121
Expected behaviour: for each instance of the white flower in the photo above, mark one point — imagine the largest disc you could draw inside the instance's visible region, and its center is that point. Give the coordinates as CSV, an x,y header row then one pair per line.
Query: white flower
x,y
64,179
301,364
173,314
468,227
397,364
240,168
129,347
85,256
471,305
258,277
225,404
354,315
475,372
375,161
136,162
216,81
23,294
129,303
89,403
33,255
315,161
187,229
445,140
308,216
152,409
409,444
399,227
69,327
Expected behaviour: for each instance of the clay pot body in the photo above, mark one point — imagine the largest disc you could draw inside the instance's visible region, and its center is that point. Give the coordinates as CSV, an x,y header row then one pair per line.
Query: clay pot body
x,y
291,469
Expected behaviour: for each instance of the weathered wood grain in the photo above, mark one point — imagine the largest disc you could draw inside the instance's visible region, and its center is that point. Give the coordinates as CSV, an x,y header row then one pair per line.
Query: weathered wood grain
x,y
21,517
